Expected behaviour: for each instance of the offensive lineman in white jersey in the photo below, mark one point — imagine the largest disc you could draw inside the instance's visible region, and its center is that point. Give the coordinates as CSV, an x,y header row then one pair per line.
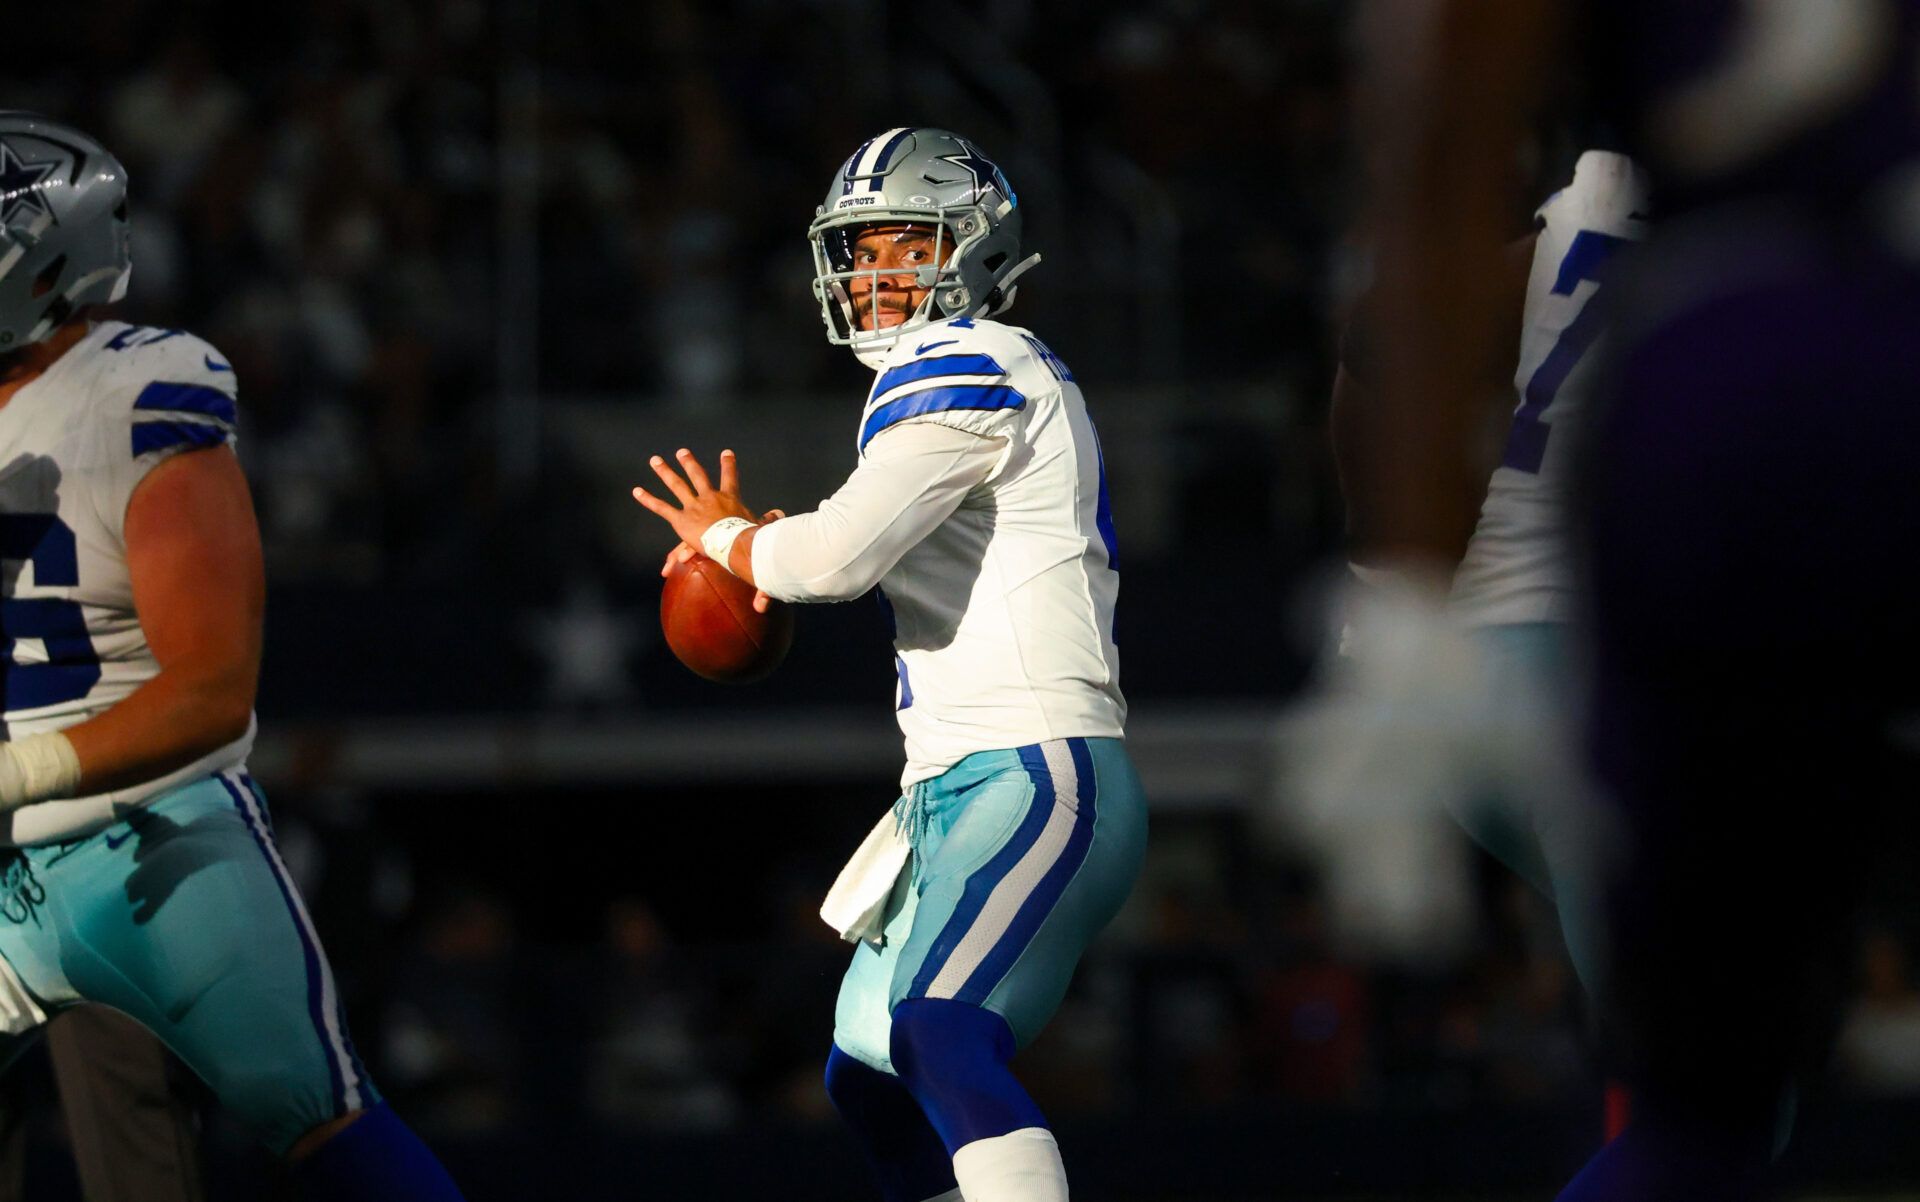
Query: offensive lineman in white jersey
x,y
979,506
1514,588
137,863
1513,781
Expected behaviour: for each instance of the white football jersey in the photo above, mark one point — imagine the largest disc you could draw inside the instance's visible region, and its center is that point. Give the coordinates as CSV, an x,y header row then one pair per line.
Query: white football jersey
x,y
1003,615
1517,567
73,444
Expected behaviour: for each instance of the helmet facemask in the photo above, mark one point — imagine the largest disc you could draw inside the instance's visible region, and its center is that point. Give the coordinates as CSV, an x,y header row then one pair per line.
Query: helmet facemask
x,y
835,276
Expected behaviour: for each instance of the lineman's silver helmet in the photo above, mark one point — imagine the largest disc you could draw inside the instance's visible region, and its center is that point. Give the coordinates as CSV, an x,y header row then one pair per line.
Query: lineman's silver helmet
x,y
64,238
917,175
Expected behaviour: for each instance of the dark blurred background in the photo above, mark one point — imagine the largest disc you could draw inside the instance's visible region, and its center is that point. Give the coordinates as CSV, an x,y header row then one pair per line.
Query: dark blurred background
x,y
474,260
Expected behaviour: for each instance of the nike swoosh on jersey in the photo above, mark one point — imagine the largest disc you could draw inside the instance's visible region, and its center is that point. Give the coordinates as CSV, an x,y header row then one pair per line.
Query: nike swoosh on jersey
x,y
215,365
114,844
921,350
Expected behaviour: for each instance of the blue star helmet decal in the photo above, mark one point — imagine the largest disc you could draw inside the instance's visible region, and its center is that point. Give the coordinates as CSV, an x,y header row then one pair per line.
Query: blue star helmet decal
x,y
983,170
21,185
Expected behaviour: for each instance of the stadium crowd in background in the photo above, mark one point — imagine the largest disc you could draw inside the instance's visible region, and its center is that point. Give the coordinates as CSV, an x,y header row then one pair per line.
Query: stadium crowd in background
x,y
337,191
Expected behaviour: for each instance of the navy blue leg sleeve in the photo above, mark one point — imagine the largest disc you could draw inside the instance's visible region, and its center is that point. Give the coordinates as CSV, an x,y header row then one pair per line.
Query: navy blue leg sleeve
x,y
377,1158
906,1153
953,1057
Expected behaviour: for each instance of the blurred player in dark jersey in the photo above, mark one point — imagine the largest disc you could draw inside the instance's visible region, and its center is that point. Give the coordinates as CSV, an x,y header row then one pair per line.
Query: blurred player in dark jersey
x,y
1749,499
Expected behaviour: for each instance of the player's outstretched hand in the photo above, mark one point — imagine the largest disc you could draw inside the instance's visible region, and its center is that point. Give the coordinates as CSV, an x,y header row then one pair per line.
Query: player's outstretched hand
x,y
701,502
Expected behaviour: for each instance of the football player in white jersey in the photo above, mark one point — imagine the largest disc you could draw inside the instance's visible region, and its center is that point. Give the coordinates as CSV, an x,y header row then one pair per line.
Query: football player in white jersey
x,y
137,863
1513,588
979,505
1515,783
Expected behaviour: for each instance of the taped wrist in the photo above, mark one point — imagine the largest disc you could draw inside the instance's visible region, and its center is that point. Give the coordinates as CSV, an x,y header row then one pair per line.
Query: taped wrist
x,y
40,767
718,539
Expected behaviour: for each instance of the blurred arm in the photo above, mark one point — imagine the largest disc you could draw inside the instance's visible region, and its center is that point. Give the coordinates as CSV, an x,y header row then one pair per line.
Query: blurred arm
x,y
1359,421
199,587
1451,89
913,476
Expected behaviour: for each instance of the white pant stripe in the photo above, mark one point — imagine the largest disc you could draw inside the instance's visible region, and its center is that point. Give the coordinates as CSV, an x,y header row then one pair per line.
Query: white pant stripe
x,y
1004,903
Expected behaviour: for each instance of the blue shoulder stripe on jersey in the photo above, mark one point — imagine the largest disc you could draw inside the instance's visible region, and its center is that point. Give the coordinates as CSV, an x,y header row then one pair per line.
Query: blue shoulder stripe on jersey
x,y
940,400
938,365
189,398
164,436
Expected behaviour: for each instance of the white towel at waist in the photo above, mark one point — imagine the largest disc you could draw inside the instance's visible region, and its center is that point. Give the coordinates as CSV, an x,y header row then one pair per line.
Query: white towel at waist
x,y
856,906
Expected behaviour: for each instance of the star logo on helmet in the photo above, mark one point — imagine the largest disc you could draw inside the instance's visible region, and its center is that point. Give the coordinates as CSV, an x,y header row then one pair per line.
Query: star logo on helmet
x,y
985,174
21,185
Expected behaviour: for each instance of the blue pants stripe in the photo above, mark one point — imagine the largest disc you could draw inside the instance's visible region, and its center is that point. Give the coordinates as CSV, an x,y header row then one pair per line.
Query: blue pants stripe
x,y
1046,894
340,1070
981,884
356,1068
1020,857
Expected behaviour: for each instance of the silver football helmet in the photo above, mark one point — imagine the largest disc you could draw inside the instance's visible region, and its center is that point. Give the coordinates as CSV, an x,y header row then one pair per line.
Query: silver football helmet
x,y
64,237
918,176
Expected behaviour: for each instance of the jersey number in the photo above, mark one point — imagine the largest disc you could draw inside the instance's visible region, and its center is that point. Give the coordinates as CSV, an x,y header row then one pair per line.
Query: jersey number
x,y
1051,360
70,667
1527,439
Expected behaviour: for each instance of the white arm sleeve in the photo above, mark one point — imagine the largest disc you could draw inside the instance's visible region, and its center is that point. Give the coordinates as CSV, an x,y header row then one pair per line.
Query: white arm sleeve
x,y
912,477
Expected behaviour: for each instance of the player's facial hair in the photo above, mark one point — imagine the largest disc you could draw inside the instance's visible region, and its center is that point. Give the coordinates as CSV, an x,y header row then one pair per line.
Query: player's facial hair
x,y
872,303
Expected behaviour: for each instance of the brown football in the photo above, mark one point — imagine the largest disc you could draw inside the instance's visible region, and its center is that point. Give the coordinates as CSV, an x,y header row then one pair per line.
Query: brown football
x,y
707,614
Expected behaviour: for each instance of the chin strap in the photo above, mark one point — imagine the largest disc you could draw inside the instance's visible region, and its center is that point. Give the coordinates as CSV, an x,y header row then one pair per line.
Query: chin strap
x,y
1005,289
1019,269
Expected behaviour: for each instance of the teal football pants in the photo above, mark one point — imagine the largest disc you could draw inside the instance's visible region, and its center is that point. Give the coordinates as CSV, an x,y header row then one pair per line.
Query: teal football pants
x,y
1020,857
1544,827
184,917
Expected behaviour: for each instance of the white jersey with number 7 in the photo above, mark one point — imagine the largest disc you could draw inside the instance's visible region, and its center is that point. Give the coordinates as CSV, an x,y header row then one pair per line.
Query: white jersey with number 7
x,y
1516,567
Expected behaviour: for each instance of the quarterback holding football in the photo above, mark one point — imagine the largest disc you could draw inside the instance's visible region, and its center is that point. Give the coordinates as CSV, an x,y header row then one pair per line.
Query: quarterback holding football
x,y
979,507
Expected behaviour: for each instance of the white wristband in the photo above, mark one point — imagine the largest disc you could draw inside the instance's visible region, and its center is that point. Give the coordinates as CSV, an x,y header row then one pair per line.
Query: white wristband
x,y
717,542
39,767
